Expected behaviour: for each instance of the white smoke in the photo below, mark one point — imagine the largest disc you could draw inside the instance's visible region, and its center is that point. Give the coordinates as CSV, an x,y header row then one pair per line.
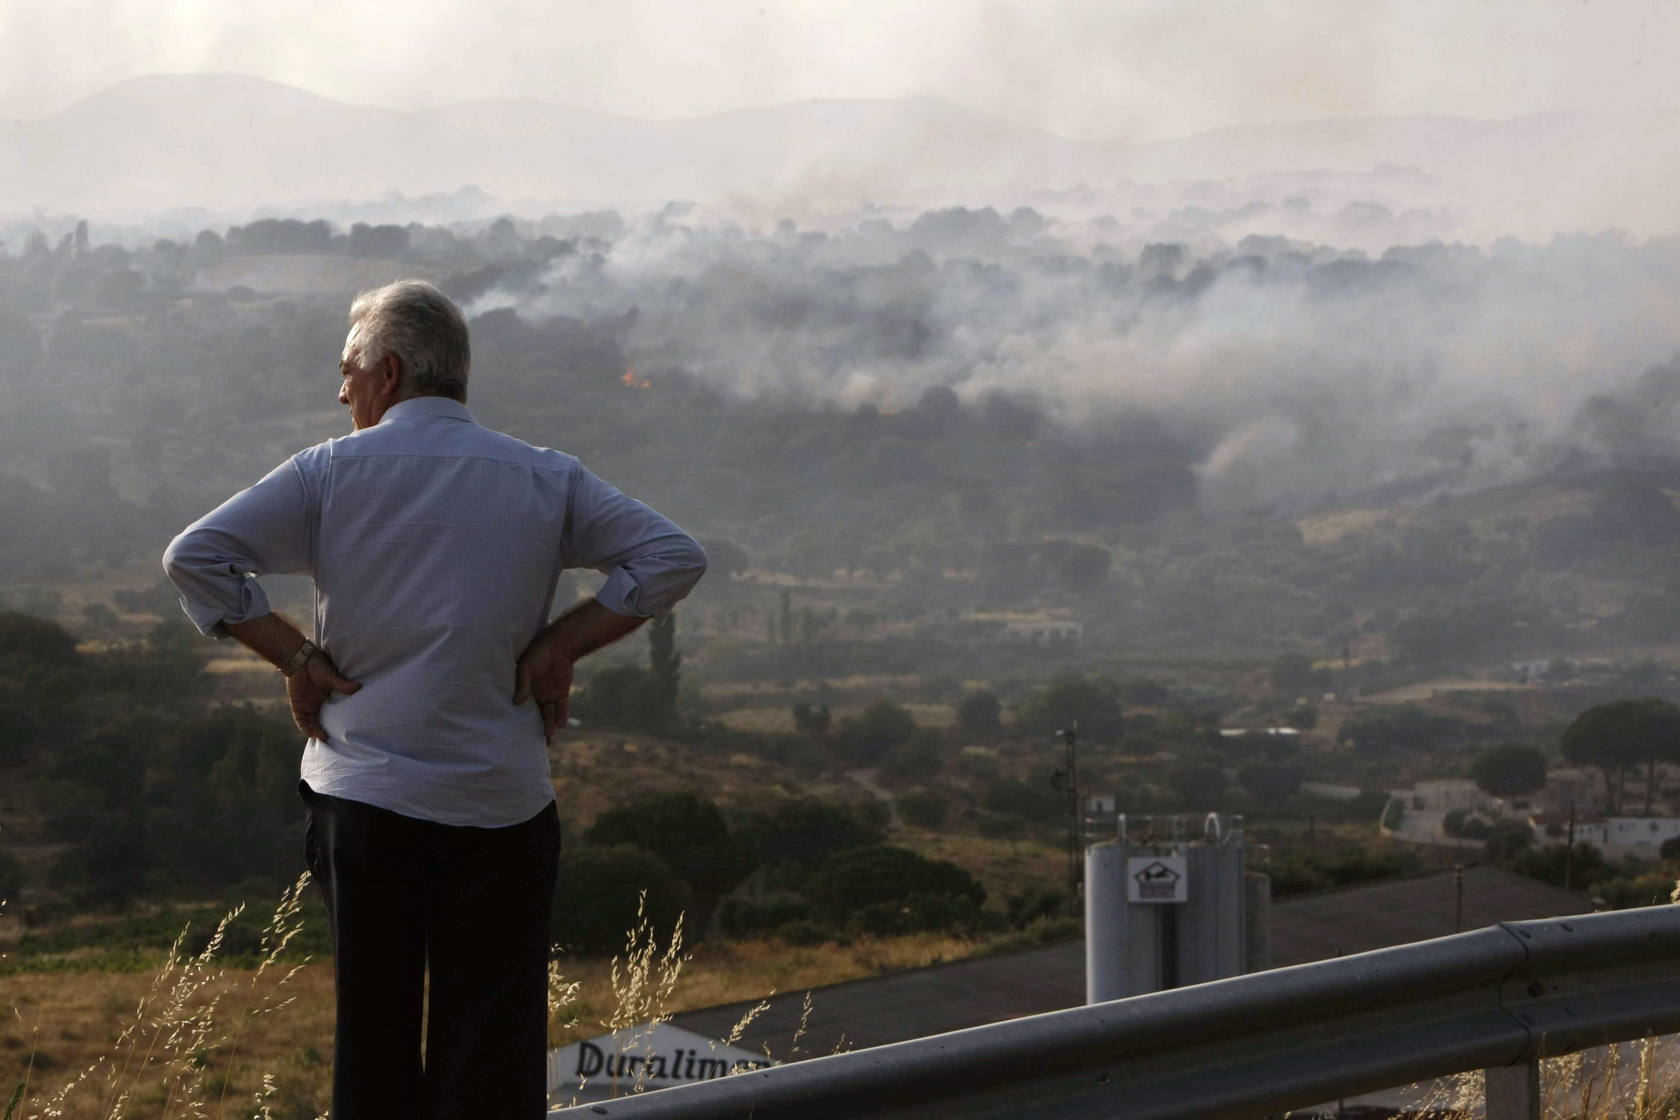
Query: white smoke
x,y
1299,369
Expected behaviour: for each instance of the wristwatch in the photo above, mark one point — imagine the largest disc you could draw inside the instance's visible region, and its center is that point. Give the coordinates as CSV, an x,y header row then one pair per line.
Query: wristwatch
x,y
297,660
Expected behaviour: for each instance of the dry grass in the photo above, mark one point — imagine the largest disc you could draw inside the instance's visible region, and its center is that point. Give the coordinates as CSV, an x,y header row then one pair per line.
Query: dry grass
x,y
1327,528
1004,867
198,1039
595,770
1425,690
1627,1081
780,719
194,1039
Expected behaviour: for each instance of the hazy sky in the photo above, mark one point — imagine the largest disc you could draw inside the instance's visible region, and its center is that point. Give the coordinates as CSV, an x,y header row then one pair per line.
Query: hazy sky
x,y
1100,69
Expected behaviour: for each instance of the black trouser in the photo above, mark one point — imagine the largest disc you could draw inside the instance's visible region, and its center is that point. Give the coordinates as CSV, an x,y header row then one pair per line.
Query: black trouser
x,y
472,905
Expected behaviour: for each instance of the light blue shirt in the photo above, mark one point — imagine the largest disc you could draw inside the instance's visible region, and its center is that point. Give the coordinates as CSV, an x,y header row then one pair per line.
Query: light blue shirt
x,y
434,544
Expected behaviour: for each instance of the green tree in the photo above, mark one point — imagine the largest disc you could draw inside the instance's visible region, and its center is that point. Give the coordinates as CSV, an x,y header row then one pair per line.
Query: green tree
x,y
801,833
870,734
41,673
1270,781
109,866
1197,781
919,756
620,696
924,809
11,876
979,715
890,881
1507,840
665,664
1584,868
1622,733
1403,728
1069,700
687,832
19,732
598,890
811,719
29,645
220,796
724,557
1035,800
1509,769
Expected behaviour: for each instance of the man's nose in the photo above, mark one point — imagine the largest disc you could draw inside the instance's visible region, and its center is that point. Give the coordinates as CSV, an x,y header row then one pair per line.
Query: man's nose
x,y
344,394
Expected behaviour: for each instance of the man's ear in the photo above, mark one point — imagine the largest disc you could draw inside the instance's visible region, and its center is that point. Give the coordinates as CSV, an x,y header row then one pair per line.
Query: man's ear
x,y
390,374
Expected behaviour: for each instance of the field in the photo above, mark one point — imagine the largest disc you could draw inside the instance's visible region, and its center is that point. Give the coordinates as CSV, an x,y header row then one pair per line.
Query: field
x,y
67,1028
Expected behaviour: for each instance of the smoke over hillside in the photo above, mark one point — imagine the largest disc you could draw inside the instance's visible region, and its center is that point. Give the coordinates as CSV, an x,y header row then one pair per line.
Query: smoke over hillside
x,y
1295,370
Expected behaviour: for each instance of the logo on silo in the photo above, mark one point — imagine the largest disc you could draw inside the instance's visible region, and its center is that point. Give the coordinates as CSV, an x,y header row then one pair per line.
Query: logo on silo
x,y
1156,879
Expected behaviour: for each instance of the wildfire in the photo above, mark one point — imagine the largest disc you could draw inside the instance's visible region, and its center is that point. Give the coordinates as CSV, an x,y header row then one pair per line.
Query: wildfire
x,y
631,381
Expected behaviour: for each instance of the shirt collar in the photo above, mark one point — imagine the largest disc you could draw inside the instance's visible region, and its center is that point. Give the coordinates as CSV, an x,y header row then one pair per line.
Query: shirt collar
x,y
415,408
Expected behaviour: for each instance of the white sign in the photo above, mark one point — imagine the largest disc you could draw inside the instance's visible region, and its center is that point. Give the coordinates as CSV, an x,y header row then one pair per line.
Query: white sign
x,y
653,1056
1157,879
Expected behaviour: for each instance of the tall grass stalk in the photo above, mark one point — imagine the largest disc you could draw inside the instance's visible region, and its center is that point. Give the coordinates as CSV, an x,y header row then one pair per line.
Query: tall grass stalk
x,y
643,981
167,1046
285,924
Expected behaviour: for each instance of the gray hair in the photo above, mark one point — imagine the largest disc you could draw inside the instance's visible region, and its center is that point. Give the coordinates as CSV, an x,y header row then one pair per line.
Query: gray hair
x,y
422,327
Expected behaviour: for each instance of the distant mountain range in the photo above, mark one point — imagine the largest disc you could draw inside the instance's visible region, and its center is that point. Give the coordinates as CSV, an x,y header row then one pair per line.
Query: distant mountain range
x,y
230,143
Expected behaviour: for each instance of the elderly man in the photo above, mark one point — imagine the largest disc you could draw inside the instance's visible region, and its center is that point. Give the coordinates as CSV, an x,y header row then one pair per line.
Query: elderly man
x,y
434,544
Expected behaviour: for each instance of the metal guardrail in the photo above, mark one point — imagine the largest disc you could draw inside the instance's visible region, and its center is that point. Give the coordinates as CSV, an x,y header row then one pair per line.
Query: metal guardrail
x,y
1498,998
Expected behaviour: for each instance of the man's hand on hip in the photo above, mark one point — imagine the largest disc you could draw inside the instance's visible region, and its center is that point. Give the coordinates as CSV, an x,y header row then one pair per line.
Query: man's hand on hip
x,y
277,641
308,688
545,673
545,668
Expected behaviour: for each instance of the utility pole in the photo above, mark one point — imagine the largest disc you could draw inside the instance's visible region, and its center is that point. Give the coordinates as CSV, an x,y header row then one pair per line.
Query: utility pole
x,y
1569,849
1458,906
1066,780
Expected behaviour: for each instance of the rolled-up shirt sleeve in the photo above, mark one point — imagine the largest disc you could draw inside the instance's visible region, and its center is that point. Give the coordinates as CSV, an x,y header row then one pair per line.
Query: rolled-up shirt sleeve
x,y
650,563
215,560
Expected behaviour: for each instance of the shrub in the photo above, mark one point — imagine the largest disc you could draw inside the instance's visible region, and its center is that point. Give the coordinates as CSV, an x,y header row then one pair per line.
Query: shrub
x,y
803,933
745,918
1270,781
1059,705
1035,800
687,833
597,896
979,715
919,756
924,809
876,730
1585,866
1000,826
11,876
892,887
801,833
1650,889
1198,782
1506,839
1508,769
1031,905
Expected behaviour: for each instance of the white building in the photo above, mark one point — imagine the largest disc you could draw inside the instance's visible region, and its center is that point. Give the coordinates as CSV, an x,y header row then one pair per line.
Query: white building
x,y
1442,795
1639,836
1043,631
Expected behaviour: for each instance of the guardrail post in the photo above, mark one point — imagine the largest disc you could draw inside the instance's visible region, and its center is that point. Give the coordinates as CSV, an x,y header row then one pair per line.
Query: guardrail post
x,y
1513,1092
